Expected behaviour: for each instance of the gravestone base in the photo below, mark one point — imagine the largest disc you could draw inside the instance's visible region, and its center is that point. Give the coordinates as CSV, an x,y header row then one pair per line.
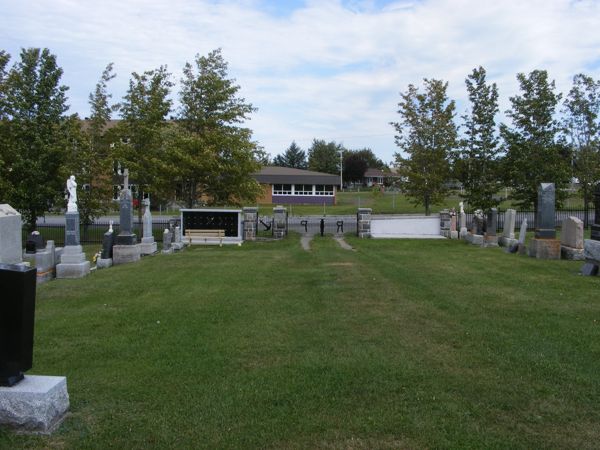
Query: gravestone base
x,y
148,246
44,263
463,233
167,251
123,254
507,242
544,248
490,241
474,239
36,405
574,254
72,263
454,234
177,246
104,263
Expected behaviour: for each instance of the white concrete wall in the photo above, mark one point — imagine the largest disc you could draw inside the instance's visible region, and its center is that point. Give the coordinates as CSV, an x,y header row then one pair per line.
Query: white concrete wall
x,y
395,227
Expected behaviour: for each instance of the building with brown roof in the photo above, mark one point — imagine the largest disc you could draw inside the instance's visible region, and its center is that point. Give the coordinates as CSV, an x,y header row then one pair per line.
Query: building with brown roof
x,y
284,185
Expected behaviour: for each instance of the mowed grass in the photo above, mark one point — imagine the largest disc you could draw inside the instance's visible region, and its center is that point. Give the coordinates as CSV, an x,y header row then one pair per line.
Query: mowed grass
x,y
399,344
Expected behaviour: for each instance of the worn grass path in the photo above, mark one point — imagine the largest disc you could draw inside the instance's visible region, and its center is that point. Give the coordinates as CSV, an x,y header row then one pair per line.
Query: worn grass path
x,y
399,344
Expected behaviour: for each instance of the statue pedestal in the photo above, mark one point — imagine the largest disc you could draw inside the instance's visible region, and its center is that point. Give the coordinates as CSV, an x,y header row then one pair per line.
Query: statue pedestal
x,y
72,263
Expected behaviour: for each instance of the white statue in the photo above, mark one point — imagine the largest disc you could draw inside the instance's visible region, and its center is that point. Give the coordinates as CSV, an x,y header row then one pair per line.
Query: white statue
x,y
110,228
461,205
72,190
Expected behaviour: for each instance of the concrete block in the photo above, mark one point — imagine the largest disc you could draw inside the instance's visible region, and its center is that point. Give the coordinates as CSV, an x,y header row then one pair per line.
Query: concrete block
x,y
544,248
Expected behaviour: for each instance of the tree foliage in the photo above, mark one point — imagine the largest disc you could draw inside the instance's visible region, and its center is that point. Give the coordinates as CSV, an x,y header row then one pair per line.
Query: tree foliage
x,y
354,167
581,114
33,134
144,110
426,134
533,153
293,157
4,185
324,156
218,155
356,163
92,159
476,163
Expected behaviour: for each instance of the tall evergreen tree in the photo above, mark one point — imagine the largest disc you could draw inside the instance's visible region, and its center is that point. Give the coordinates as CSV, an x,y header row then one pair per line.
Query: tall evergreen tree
x,y
293,157
144,110
219,154
476,165
35,106
427,135
534,154
324,156
582,125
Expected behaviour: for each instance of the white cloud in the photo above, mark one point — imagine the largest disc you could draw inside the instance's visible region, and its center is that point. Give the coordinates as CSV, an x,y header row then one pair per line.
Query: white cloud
x,y
328,69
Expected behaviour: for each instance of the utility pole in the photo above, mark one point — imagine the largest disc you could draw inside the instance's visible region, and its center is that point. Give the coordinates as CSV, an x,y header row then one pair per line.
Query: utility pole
x,y
341,180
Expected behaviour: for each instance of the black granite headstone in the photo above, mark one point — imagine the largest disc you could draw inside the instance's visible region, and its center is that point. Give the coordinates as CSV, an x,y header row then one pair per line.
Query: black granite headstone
x,y
17,309
35,241
107,245
545,223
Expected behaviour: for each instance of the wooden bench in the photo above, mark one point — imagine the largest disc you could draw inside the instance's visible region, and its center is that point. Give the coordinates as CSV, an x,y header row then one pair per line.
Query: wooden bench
x,y
205,235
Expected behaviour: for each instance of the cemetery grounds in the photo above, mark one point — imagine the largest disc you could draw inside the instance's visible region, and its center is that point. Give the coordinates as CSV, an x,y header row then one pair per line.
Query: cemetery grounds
x,y
398,344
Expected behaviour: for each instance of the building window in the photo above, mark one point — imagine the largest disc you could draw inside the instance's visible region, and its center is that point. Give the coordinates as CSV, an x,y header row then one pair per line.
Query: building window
x,y
282,189
303,189
324,189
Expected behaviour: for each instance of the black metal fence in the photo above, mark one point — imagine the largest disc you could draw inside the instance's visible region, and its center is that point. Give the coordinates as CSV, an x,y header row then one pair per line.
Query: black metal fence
x,y
93,234
560,215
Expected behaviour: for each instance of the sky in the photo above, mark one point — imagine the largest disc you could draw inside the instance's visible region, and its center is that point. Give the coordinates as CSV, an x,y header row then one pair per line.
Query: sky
x,y
329,69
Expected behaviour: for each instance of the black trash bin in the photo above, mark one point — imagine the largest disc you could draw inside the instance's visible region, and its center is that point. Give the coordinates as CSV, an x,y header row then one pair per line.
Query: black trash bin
x,y
17,308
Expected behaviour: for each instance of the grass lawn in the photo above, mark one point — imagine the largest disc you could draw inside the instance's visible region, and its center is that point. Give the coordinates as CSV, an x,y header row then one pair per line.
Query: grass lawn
x,y
400,344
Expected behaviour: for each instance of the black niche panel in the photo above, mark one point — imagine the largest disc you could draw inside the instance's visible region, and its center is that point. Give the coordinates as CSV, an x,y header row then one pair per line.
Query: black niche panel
x,y
212,220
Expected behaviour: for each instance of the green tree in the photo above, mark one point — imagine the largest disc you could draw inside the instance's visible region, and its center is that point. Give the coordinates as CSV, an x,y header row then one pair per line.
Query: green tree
x,y
142,148
91,158
533,153
4,185
476,163
219,154
427,135
35,105
354,167
293,157
324,156
356,163
581,113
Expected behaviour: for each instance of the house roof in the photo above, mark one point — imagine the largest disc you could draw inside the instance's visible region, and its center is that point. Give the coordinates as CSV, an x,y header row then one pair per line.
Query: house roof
x,y
287,175
372,172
